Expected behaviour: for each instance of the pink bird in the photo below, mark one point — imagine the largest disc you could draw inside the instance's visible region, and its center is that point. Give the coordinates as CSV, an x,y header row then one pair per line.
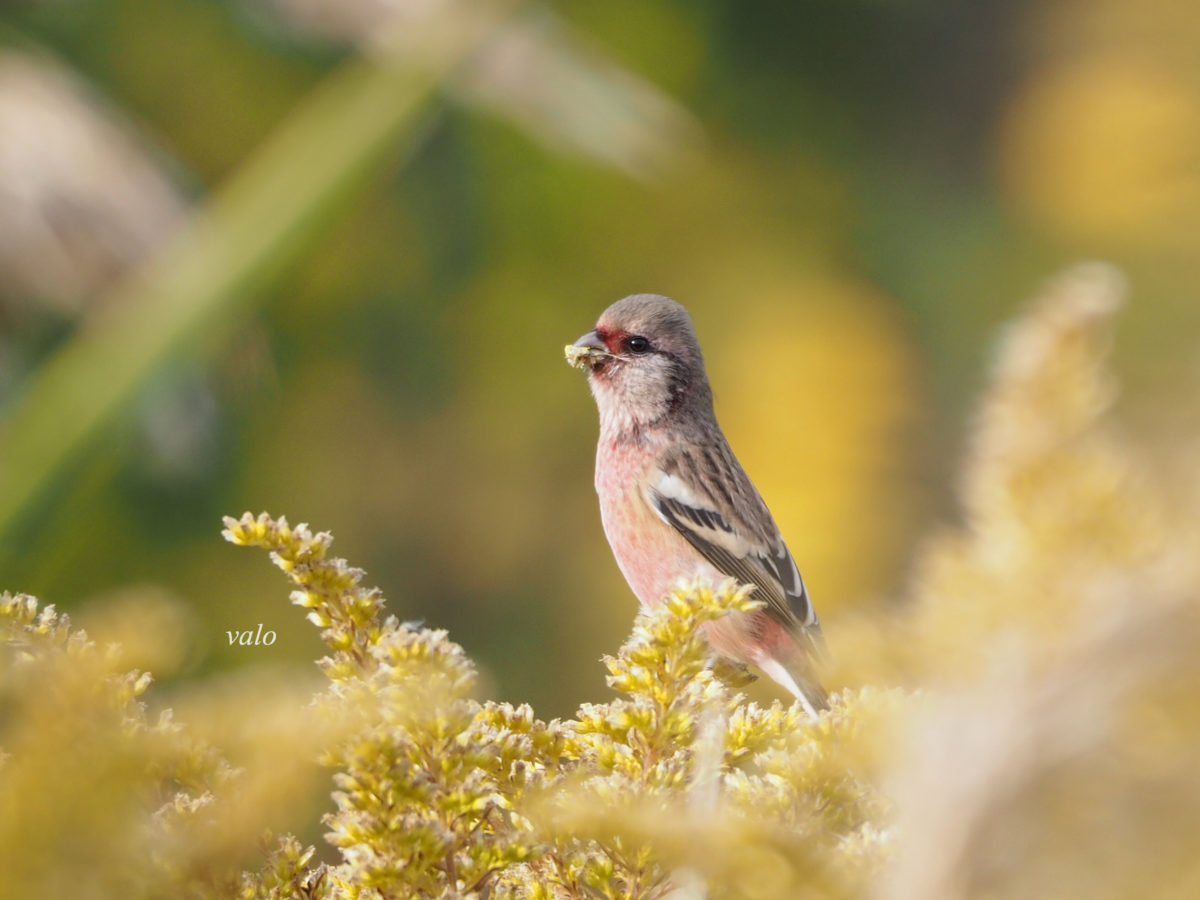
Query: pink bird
x,y
674,500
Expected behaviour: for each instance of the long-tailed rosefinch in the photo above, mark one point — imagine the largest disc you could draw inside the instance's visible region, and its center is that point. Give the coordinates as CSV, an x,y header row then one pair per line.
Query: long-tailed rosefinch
x,y
674,500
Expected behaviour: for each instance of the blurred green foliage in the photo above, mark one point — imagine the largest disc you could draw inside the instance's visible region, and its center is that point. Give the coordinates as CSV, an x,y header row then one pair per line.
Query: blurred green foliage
x,y
860,194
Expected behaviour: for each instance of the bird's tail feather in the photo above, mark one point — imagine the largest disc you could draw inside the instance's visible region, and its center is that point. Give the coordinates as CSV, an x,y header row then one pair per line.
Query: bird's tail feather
x,y
795,672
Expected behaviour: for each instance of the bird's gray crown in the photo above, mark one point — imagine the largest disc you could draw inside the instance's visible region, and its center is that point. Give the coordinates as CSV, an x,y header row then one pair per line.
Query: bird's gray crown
x,y
648,312
657,317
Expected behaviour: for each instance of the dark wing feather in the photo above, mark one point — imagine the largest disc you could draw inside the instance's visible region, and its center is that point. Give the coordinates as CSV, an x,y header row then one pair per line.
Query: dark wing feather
x,y
747,558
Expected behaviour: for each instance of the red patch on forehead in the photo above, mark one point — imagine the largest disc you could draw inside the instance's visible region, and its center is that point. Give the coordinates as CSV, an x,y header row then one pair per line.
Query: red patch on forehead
x,y
612,337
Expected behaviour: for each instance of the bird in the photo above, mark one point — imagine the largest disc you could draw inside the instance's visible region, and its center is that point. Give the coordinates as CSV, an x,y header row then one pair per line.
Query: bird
x,y
675,502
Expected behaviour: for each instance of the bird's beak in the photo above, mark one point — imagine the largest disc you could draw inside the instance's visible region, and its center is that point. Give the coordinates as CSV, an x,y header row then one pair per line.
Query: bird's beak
x,y
586,352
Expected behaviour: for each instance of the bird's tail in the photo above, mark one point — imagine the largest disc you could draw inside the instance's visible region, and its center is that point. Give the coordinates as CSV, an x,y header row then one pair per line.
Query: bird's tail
x,y
796,671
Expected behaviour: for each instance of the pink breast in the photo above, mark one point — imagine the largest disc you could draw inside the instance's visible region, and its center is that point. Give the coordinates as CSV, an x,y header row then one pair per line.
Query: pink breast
x,y
650,553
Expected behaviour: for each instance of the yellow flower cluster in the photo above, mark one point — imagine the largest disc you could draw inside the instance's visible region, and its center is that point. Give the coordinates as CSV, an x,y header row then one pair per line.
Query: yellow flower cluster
x,y
86,772
441,795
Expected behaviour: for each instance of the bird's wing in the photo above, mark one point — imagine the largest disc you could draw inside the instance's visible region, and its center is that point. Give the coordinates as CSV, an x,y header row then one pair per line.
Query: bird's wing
x,y
735,550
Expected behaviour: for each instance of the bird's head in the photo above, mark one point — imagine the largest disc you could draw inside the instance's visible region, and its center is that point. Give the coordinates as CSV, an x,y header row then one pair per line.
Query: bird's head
x,y
644,363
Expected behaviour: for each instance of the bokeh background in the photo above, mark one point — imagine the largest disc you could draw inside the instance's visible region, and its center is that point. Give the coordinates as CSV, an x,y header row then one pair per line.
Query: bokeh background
x,y
851,199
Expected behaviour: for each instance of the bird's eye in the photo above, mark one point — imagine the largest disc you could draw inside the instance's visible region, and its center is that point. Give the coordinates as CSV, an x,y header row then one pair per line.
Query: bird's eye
x,y
637,344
